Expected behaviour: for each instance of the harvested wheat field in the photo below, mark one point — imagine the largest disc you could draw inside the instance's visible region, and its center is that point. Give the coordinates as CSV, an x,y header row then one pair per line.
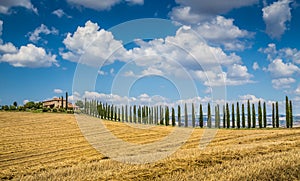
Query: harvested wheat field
x,y
47,146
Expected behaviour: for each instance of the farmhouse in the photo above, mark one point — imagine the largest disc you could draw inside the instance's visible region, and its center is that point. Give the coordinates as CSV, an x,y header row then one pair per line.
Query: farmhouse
x,y
57,103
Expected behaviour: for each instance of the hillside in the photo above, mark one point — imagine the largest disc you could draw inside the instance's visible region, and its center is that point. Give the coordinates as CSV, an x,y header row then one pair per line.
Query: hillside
x,y
48,146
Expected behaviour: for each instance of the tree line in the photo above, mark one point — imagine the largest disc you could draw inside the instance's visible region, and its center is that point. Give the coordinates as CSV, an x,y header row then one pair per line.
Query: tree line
x,y
240,116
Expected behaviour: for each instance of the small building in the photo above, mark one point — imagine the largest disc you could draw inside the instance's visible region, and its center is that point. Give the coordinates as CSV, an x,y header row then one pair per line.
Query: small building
x,y
58,103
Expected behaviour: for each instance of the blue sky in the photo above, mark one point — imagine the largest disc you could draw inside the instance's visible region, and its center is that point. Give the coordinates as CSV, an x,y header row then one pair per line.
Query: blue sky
x,y
150,52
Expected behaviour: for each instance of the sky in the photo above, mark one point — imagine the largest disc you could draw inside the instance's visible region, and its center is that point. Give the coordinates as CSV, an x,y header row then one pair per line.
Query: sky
x,y
150,52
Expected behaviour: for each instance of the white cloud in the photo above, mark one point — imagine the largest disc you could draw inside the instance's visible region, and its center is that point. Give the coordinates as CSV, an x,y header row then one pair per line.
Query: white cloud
x,y
173,55
238,72
43,29
129,74
222,31
297,91
5,5
103,5
287,53
30,56
58,91
280,69
93,45
25,101
275,16
100,72
60,13
111,71
255,66
283,83
215,7
185,16
7,48
133,2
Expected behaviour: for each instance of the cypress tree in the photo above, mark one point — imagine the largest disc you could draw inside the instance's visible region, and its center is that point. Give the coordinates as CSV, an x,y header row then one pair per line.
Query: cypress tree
x,y
287,110
161,116
217,117
139,115
108,112
273,115
67,101
130,114
123,114
233,116
259,115
208,116
179,115
238,121
224,117
134,113
291,114
193,115
112,112
227,116
265,115
126,113
85,106
201,117
119,115
249,114
116,118
167,116
185,116
243,116
62,102
253,116
173,117
277,116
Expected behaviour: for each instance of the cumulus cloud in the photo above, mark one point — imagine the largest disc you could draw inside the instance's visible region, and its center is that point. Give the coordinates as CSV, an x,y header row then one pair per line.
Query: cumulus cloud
x,y
60,13
185,16
255,66
194,11
215,6
283,83
93,45
103,5
43,29
8,47
280,69
172,55
286,53
133,2
30,56
297,91
222,31
100,72
276,16
58,91
5,5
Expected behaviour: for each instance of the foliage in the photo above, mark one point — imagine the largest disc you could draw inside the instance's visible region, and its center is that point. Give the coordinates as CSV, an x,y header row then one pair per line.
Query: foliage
x,y
238,121
243,116
201,117
249,114
179,115
232,116
253,116
173,117
79,103
259,115
208,116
